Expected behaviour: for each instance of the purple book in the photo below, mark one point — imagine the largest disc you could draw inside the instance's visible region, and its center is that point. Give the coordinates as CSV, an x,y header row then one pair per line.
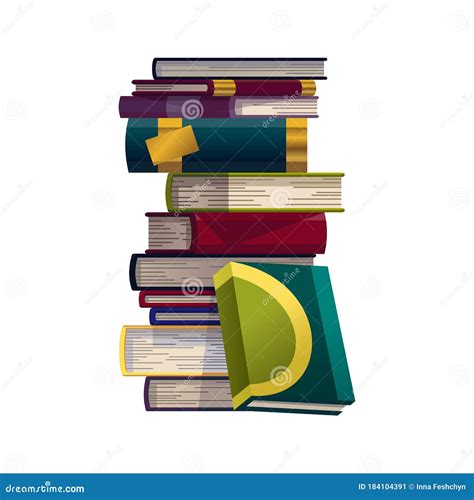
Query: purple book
x,y
217,107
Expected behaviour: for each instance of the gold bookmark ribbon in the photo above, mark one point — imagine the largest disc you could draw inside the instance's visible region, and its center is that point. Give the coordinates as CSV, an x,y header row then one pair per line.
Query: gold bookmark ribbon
x,y
170,145
296,145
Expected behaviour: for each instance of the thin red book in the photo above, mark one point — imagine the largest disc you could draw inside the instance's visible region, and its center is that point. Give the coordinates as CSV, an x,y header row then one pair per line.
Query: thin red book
x,y
189,295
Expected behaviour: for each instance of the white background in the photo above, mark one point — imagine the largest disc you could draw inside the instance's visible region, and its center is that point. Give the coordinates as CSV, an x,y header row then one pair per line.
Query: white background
x,y
396,115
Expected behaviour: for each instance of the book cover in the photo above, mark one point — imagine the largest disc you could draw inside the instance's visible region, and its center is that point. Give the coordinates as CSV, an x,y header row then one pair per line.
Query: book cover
x,y
212,145
218,88
282,338
249,233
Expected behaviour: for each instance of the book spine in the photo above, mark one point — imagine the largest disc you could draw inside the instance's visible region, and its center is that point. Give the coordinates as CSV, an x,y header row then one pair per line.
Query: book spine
x,y
332,333
176,107
275,88
132,272
210,87
278,146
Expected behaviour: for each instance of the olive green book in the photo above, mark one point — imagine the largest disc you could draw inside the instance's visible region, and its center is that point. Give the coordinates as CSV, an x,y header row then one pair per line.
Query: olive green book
x,y
283,344
239,192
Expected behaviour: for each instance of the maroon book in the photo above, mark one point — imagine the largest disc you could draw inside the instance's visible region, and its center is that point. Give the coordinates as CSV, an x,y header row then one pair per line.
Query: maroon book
x,y
217,107
206,86
236,233
187,296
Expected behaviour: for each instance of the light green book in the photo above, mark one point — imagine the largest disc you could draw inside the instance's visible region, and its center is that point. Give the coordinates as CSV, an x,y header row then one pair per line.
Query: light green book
x,y
236,192
282,340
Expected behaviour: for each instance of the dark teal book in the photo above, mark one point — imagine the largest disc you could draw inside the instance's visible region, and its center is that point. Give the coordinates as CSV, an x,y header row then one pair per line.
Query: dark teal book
x,y
208,145
283,343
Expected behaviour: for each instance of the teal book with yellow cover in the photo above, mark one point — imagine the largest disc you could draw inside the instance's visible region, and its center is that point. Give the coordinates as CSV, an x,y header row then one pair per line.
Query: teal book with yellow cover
x,y
282,339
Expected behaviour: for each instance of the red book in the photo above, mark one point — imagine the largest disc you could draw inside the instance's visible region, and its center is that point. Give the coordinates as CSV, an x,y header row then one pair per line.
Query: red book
x,y
187,296
234,87
237,233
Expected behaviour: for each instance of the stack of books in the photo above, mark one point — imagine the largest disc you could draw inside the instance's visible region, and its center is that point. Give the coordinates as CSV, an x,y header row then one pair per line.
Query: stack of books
x,y
240,318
